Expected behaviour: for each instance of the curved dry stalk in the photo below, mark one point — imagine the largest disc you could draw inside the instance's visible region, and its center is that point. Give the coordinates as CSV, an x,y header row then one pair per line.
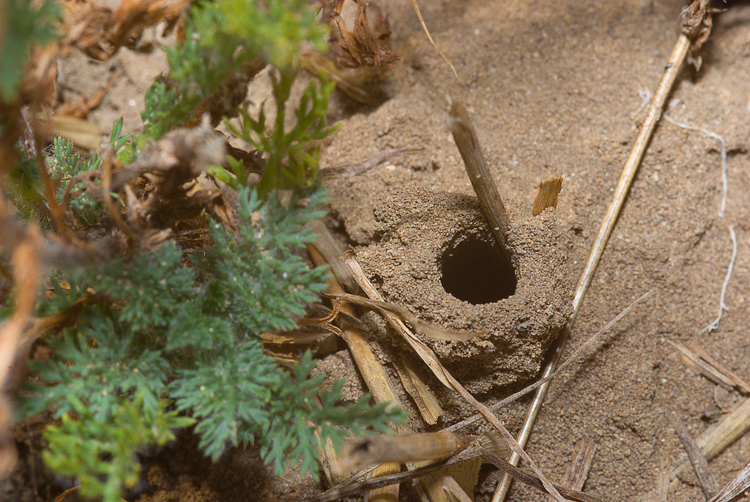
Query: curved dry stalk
x,y
436,332
113,212
427,32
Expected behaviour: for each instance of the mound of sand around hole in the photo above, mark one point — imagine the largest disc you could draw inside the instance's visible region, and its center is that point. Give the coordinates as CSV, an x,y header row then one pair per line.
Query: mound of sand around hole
x,y
437,257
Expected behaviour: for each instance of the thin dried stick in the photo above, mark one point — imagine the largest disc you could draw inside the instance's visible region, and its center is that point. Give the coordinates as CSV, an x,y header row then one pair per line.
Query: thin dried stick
x,y
427,32
701,362
465,136
432,361
423,397
700,464
605,229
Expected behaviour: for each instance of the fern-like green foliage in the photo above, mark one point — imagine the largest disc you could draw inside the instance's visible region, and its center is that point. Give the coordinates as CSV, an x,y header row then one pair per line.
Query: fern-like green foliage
x,y
169,340
188,336
24,186
222,39
100,453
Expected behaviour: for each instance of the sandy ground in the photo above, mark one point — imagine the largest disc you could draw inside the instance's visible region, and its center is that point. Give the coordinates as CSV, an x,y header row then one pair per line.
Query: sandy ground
x,y
555,89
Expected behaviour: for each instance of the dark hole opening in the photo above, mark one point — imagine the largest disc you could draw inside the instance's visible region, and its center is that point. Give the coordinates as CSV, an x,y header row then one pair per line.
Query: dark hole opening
x,y
477,272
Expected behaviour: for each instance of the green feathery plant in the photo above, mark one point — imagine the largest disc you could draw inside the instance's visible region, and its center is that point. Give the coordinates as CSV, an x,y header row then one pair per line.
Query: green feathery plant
x,y
167,341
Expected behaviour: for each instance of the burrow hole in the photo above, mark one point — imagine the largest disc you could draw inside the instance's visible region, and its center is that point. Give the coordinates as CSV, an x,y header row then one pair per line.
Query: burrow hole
x,y
477,272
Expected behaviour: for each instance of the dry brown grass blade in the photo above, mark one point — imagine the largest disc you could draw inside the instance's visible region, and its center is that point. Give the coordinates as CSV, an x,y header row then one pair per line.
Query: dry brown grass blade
x,y
700,465
735,488
429,36
701,362
580,463
357,487
436,332
547,196
426,402
373,373
369,450
432,362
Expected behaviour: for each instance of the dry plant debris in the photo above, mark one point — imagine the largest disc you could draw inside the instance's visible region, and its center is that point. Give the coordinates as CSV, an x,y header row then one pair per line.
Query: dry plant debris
x,y
99,32
736,488
363,45
547,196
700,464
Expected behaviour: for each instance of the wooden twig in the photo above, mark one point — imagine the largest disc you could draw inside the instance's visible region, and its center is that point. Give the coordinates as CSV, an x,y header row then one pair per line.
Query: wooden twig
x,y
431,330
706,479
425,400
465,136
605,229
547,196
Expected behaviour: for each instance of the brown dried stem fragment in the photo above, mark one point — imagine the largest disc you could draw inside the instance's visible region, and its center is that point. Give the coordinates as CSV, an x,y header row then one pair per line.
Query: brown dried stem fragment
x,y
421,326
547,196
706,478
736,487
351,489
366,451
715,439
373,373
465,136
701,362
580,463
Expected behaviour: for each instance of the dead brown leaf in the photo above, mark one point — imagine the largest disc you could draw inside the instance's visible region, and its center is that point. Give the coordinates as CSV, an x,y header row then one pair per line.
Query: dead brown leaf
x,y
366,44
99,32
